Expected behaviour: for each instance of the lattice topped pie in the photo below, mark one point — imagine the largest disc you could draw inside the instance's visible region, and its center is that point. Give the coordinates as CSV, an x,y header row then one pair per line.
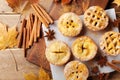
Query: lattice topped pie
x,y
110,43
95,18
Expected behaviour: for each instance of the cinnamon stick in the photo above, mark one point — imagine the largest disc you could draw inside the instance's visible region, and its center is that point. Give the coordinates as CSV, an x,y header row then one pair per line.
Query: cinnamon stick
x,y
33,33
40,18
27,33
20,40
41,14
24,41
115,61
39,28
35,28
113,66
45,13
31,21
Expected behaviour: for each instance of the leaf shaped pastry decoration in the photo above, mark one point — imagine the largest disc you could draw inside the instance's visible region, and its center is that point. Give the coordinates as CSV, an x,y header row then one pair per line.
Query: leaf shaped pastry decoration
x,y
117,2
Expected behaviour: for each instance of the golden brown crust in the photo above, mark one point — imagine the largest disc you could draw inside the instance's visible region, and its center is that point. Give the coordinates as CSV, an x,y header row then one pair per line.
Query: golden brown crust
x,y
69,24
76,70
84,48
57,53
95,18
110,43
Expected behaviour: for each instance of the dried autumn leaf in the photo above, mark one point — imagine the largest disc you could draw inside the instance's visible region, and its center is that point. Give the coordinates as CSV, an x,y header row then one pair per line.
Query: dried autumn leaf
x,y
11,38
7,38
85,5
43,75
3,34
30,76
117,2
3,29
20,5
66,1
2,42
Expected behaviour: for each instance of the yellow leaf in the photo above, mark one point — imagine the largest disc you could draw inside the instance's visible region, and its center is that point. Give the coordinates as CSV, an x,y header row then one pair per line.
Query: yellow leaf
x,y
3,29
12,37
117,2
3,34
30,76
43,75
7,37
2,42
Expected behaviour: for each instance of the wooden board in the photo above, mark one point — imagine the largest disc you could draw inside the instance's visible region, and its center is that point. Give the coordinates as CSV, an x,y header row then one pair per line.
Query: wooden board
x,y
36,54
78,7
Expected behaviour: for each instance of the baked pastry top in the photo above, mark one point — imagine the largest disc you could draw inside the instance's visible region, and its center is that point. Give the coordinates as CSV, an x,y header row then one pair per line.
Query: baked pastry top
x,y
84,48
69,24
57,52
110,43
95,18
76,70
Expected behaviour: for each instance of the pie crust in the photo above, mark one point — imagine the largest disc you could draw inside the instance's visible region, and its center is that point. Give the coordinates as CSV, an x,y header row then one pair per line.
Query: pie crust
x,y
95,18
57,53
84,48
69,24
110,43
76,70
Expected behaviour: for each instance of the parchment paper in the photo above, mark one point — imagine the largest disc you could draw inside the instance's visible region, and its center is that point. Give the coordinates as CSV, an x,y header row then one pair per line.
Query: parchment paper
x,y
57,71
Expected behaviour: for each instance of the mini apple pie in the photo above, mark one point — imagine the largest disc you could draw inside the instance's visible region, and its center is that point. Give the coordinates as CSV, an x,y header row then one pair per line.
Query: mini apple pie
x,y
76,70
84,48
57,53
110,43
95,18
69,24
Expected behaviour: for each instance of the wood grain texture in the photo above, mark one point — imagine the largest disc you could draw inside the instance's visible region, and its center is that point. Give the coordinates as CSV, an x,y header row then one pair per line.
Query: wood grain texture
x,y
36,54
78,7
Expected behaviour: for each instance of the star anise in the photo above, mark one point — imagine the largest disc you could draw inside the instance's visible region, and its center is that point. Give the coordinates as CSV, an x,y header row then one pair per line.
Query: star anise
x,y
95,70
115,23
100,76
50,34
101,60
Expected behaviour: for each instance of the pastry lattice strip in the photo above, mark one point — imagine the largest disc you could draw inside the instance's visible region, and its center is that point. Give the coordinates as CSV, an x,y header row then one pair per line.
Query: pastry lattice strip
x,y
96,18
112,43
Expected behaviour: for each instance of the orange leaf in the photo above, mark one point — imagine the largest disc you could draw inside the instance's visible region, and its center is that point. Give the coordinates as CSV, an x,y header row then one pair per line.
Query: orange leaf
x,y
33,1
20,5
66,1
13,3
